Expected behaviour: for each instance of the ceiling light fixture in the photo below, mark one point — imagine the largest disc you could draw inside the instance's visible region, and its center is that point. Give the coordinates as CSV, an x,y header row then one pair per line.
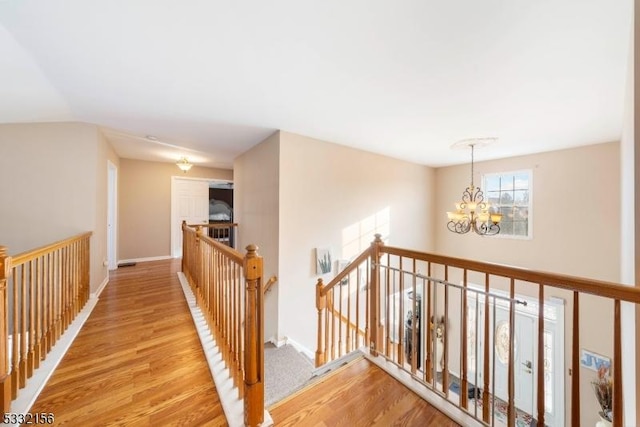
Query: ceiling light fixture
x,y
473,212
184,164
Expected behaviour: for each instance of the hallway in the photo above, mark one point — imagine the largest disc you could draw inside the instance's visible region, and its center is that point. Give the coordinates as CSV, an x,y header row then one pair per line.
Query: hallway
x,y
137,360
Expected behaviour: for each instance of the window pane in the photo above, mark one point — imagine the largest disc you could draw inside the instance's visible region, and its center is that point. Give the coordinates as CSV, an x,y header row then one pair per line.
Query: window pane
x,y
522,181
493,197
506,198
510,194
492,183
507,182
522,197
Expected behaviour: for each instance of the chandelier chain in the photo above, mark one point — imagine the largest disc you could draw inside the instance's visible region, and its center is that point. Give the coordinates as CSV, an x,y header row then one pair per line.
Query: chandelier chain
x,y
472,147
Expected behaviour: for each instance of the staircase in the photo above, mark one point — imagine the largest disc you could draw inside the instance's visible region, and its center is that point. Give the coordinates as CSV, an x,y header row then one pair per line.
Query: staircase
x,y
286,371
356,393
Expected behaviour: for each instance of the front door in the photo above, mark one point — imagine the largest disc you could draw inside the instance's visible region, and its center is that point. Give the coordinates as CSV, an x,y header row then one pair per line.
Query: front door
x,y
523,358
190,199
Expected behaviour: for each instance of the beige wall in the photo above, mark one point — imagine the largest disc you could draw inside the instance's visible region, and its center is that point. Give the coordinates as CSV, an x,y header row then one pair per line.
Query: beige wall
x,y
576,197
52,184
256,209
326,189
576,231
144,206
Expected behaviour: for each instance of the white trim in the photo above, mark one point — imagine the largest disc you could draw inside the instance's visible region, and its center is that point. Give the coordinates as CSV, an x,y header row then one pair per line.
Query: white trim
x,y
299,347
103,285
278,343
28,395
232,406
112,216
147,259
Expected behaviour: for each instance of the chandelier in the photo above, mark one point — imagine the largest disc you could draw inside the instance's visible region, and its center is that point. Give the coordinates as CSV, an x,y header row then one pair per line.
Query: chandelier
x,y
473,212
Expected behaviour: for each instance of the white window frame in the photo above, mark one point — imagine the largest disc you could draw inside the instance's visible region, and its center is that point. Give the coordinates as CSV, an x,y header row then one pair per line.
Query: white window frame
x,y
484,187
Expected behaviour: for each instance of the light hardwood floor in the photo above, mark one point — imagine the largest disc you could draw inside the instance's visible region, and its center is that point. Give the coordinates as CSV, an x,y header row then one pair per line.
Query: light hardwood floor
x,y
137,361
360,394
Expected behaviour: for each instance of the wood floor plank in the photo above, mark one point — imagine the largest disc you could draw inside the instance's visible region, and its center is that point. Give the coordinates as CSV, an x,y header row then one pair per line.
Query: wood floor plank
x,y
360,395
137,361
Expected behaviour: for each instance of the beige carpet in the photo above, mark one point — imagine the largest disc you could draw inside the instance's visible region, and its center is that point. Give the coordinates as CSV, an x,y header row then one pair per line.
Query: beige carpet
x,y
286,370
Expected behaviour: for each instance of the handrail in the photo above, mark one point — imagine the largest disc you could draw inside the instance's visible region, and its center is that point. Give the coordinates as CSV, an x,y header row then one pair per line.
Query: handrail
x,y
402,281
225,250
270,283
219,231
347,269
229,289
32,254
48,286
567,282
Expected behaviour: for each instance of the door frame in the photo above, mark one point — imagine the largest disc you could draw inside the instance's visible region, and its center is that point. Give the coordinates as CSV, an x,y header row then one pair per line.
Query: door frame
x,y
112,215
554,324
174,207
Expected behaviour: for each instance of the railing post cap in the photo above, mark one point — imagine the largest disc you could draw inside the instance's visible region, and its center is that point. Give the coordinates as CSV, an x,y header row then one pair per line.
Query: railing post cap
x,y
319,281
5,263
252,250
378,238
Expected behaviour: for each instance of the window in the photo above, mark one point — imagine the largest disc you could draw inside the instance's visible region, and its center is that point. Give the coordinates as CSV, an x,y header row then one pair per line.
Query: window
x,y
510,194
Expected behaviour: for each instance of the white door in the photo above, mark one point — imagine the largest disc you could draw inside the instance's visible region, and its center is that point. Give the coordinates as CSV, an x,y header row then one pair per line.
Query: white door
x,y
190,203
523,358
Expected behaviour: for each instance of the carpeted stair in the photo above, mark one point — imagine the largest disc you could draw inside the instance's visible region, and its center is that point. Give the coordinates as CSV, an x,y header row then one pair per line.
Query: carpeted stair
x,y
286,370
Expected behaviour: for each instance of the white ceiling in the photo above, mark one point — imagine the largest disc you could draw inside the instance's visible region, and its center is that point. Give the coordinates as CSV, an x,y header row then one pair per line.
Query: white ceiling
x,y
403,78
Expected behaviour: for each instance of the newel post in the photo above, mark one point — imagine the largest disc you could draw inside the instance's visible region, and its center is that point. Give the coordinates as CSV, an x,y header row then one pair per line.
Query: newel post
x,y
321,304
253,339
5,378
374,296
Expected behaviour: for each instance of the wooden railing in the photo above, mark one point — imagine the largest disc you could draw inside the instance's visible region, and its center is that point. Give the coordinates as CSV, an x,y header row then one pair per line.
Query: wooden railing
x,y
223,232
229,291
382,298
41,292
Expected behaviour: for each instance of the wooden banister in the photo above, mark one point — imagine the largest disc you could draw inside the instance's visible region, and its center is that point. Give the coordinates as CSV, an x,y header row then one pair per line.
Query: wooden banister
x,y
5,378
394,274
254,339
571,283
229,289
272,281
48,288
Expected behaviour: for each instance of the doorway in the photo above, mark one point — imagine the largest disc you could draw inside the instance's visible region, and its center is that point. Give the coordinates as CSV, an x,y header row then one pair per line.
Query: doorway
x,y
525,355
190,202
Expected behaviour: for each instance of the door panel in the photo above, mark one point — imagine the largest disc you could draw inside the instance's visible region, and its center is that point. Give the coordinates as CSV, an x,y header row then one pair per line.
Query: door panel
x,y
191,204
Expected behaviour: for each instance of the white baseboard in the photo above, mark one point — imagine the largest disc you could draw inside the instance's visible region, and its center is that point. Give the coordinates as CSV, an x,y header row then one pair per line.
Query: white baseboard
x,y
98,291
28,395
147,259
278,343
232,406
299,347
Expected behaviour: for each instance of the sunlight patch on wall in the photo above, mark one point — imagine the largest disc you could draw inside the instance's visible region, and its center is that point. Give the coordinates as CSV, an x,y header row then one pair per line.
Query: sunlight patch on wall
x,y
358,236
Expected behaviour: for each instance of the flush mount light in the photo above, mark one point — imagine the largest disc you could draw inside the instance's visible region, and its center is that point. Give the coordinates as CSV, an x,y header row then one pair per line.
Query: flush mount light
x,y
184,164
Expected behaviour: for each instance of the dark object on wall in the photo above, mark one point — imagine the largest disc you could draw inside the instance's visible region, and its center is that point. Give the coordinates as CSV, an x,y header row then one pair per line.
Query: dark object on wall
x,y
126,264
408,334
